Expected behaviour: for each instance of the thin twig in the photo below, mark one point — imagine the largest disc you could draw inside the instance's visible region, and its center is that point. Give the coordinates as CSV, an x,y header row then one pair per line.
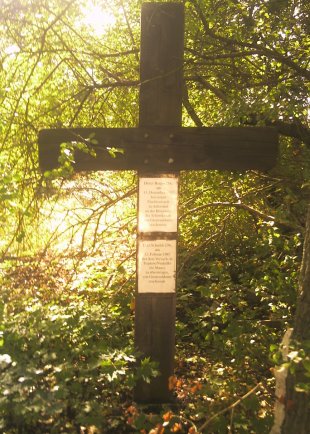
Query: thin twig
x,y
230,407
251,210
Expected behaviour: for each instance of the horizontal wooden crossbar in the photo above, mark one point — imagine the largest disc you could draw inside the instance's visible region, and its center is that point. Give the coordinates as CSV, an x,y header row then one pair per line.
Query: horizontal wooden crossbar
x,y
163,148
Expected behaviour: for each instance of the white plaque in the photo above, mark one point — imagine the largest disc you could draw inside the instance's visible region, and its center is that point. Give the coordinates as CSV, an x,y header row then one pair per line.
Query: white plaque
x,y
158,204
156,266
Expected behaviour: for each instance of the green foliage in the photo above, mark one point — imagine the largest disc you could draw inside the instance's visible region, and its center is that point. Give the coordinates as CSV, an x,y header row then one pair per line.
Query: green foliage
x,y
66,363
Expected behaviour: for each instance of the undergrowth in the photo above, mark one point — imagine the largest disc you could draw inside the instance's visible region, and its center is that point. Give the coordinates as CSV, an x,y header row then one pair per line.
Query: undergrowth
x,y
68,363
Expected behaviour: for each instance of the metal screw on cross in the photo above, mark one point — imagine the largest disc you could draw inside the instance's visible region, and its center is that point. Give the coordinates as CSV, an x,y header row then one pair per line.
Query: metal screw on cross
x,y
158,149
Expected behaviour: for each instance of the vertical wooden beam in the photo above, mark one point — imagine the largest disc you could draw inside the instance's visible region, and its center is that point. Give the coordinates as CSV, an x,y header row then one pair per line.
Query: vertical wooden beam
x,y
161,64
161,72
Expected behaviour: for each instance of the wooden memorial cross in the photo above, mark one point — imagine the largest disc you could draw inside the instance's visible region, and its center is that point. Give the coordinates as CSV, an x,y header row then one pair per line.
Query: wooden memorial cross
x,y
158,149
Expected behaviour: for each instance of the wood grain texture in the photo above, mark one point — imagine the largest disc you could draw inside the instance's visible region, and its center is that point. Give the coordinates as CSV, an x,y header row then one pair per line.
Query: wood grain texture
x,y
161,64
154,337
165,148
161,69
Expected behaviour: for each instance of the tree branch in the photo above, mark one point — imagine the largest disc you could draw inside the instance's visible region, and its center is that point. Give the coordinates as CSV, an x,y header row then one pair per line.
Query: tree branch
x,y
294,130
189,108
229,55
114,84
253,211
217,92
241,205
272,53
230,407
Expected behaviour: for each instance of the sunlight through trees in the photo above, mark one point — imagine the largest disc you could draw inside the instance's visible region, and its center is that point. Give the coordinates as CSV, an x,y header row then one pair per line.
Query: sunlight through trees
x,y
67,243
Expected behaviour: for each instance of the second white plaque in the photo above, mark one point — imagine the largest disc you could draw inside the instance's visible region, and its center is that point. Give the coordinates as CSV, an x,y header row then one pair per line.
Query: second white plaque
x,y
157,266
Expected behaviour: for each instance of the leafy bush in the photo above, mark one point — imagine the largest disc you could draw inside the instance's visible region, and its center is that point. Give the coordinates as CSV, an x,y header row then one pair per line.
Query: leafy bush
x,y
67,364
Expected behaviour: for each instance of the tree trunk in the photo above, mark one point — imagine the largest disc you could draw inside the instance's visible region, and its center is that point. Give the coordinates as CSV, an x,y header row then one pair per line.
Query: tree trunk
x,y
292,409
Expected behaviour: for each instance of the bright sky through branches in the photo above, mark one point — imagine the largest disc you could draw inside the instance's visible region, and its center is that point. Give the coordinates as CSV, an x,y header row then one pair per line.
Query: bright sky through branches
x,y
97,18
